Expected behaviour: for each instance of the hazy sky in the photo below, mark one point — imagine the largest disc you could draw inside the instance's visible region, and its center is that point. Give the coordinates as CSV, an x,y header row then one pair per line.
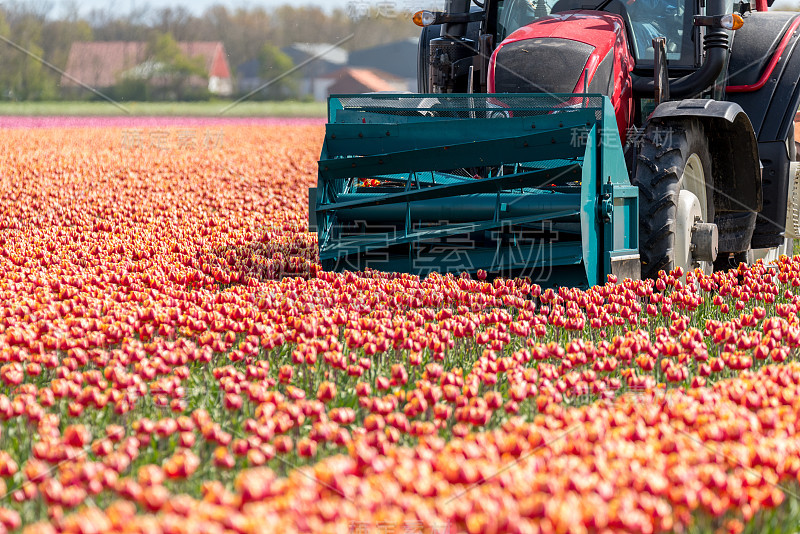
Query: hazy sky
x,y
197,6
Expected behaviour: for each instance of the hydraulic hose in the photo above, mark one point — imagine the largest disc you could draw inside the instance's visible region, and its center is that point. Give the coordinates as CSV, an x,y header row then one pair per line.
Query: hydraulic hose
x,y
716,47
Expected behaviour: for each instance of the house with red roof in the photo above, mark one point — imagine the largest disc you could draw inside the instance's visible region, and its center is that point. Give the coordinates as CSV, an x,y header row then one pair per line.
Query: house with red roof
x,y
355,80
326,69
102,64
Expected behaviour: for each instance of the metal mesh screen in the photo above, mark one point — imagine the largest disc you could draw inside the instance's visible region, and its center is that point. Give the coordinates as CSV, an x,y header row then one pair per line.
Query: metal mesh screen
x,y
464,106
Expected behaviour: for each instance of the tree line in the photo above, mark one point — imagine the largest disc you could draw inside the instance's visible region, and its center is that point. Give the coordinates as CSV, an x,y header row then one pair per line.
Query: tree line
x,y
35,45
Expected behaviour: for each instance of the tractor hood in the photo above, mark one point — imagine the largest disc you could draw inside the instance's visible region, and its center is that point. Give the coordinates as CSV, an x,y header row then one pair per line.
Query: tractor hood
x,y
551,54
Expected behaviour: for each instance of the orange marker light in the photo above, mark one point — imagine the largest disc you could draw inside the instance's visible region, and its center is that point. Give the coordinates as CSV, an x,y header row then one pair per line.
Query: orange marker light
x,y
424,18
732,21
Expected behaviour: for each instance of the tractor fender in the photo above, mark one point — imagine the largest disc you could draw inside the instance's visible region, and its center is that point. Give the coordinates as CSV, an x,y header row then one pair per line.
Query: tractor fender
x,y
735,167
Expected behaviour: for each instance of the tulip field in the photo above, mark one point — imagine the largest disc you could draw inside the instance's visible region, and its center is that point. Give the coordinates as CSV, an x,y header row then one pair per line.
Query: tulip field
x,y
174,360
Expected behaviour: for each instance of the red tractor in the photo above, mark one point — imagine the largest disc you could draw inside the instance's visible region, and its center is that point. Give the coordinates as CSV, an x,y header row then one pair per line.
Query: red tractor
x,y
704,97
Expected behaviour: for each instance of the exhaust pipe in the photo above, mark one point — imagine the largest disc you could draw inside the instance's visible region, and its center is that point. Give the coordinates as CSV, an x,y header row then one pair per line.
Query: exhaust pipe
x,y
455,30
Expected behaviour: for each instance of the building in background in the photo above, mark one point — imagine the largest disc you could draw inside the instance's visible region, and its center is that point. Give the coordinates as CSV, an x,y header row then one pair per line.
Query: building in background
x,y
398,59
328,69
103,64
353,80
322,59
248,76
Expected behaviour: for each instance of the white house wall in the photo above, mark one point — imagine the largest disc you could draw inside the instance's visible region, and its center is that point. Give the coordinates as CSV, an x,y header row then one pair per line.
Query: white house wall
x,y
220,86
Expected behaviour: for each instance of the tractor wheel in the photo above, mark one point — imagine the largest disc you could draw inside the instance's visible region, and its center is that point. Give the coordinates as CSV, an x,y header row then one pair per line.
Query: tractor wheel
x,y
675,201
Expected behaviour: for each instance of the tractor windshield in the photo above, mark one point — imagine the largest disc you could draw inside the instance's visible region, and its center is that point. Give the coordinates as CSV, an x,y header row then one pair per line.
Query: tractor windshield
x,y
514,14
646,20
662,18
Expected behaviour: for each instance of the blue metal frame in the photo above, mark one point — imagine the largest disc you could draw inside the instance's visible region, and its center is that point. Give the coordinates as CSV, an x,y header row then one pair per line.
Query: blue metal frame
x,y
530,150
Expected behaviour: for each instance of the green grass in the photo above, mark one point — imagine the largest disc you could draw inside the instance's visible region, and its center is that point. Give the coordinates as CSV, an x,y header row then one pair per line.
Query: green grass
x,y
183,109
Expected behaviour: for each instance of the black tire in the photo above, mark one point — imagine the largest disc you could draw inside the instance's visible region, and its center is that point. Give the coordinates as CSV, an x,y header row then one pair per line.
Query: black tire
x,y
665,148
423,56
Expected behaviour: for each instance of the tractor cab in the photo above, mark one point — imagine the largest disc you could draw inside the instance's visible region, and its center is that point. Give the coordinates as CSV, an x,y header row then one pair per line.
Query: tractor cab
x,y
644,20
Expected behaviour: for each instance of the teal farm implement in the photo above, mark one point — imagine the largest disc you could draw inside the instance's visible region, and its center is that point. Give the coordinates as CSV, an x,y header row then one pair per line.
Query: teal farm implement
x,y
533,185
569,140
